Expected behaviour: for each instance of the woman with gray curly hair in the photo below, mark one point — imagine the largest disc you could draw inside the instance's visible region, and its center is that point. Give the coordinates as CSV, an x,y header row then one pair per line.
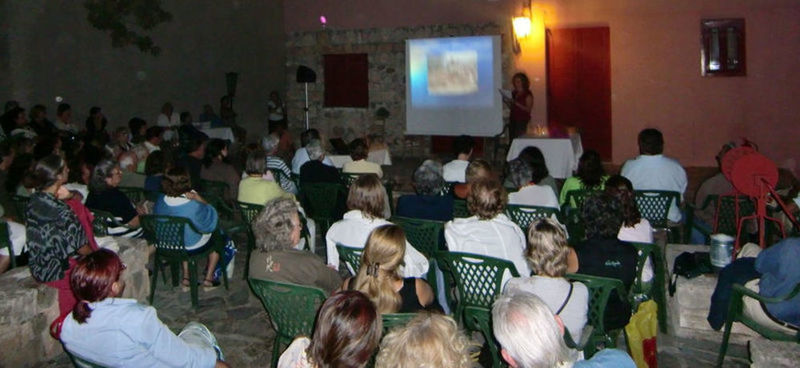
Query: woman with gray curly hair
x,y
428,340
427,204
277,230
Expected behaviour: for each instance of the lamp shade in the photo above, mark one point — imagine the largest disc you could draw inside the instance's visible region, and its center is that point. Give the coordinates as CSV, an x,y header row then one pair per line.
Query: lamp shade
x,y
522,26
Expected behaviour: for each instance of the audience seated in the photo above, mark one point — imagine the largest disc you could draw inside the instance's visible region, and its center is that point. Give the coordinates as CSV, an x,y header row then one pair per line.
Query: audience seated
x,y
315,170
530,193
216,167
96,124
39,122
379,275
634,228
547,255
64,119
168,117
535,159
366,201
55,236
255,188
602,254
192,160
378,150
137,128
590,176
154,170
715,185
270,144
128,163
180,200
651,170
428,340
455,171
346,334
277,231
12,120
360,165
771,272
427,204
478,169
119,143
489,232
301,155
208,115
104,195
111,331
530,336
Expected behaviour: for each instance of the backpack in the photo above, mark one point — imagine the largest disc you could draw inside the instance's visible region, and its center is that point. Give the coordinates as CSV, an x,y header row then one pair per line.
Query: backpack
x,y
689,265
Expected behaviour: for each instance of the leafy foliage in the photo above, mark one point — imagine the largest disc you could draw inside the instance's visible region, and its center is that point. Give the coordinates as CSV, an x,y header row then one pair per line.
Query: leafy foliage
x,y
128,21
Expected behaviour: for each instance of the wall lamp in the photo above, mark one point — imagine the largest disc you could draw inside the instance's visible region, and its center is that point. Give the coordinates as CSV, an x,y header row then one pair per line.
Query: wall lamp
x,y
521,26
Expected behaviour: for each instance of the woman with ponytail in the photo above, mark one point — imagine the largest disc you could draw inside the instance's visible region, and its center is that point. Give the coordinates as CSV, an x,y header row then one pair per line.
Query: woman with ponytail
x,y
114,332
379,276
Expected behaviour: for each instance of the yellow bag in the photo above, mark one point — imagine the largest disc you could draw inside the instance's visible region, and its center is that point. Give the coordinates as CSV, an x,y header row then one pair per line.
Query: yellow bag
x,y
641,334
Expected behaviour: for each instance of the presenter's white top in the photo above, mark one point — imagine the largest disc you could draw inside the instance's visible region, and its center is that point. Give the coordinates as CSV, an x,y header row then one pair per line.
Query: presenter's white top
x,y
354,229
534,195
168,121
657,172
498,237
455,171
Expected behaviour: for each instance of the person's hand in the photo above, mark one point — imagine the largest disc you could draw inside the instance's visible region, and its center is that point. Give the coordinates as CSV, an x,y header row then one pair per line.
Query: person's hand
x,y
63,193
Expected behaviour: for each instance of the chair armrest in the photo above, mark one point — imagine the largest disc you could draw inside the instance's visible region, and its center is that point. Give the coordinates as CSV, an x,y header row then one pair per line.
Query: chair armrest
x,y
738,290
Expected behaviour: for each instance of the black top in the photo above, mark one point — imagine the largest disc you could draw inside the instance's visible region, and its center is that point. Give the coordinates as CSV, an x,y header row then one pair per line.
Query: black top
x,y
314,171
426,207
408,294
194,166
610,258
113,201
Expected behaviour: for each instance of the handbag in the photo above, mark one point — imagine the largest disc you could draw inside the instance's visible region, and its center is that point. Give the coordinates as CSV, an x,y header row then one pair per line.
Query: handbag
x,y
689,265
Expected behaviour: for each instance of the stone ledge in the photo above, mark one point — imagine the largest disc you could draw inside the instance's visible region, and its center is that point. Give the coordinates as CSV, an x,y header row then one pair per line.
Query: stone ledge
x,y
766,353
28,308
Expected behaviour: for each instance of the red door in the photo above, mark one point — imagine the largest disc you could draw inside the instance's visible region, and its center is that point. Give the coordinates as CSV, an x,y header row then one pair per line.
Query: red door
x,y
579,84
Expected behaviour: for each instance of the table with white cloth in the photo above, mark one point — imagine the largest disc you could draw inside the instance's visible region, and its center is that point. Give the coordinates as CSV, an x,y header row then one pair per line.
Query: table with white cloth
x,y
560,154
380,157
224,133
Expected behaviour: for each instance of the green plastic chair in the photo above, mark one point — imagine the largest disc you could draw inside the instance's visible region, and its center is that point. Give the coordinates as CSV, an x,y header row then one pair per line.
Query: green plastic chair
x,y
600,289
478,282
214,192
460,208
291,308
575,198
348,179
136,195
523,216
654,290
392,320
654,206
424,235
248,212
571,214
447,188
21,205
5,242
736,314
351,256
321,200
166,233
102,221
281,178
726,215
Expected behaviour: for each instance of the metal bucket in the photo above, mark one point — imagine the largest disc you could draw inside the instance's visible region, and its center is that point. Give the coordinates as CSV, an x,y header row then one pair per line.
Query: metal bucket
x,y
721,250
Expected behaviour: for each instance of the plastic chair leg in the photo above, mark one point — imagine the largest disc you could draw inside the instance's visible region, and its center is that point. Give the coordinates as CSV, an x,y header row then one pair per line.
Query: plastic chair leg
x,y
154,278
193,281
276,349
723,348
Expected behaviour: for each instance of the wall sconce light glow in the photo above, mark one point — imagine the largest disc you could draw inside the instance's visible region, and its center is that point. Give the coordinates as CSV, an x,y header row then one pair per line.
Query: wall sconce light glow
x,y
323,20
522,26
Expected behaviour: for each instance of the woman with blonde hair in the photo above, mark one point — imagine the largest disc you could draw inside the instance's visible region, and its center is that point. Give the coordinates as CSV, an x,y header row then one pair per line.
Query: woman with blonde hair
x,y
547,255
428,340
379,275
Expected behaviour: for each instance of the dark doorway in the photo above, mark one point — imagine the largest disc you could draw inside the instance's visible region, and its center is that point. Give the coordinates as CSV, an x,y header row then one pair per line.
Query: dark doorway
x,y
579,84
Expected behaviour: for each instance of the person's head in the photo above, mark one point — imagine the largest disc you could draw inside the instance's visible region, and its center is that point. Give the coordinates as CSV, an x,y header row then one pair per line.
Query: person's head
x,y
487,199
156,163
277,226
478,169
96,113
176,182
347,331
621,188
428,340
590,169
64,112
315,151
462,146
153,135
368,196
725,148
196,146
602,216
38,113
256,163
216,150
95,277
651,142
547,249
535,159
380,262
519,172
121,135
49,171
137,126
358,149
270,144
307,136
521,82
167,109
106,174
48,145
428,178
528,332
16,118
186,117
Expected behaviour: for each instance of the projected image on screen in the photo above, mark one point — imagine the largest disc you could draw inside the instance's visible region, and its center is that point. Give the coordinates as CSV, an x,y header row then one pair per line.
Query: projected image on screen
x,y
453,73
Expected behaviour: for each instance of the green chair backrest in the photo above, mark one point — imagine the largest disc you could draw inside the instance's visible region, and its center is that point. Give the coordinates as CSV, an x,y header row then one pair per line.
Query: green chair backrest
x,y
478,278
167,233
576,197
727,217
424,235
214,188
348,179
447,188
392,320
351,256
653,290
654,205
600,289
136,195
460,208
291,308
21,205
249,211
5,242
524,215
102,221
321,199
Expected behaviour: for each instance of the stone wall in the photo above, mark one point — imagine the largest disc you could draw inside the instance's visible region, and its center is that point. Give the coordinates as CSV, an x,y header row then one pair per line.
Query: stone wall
x,y
385,48
28,308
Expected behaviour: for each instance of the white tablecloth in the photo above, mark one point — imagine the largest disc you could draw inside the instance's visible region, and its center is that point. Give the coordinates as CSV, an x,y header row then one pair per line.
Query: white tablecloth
x,y
224,133
560,154
380,157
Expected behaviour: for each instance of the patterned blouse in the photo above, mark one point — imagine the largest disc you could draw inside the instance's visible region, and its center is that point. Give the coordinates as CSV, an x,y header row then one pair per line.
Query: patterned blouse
x,y
54,234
